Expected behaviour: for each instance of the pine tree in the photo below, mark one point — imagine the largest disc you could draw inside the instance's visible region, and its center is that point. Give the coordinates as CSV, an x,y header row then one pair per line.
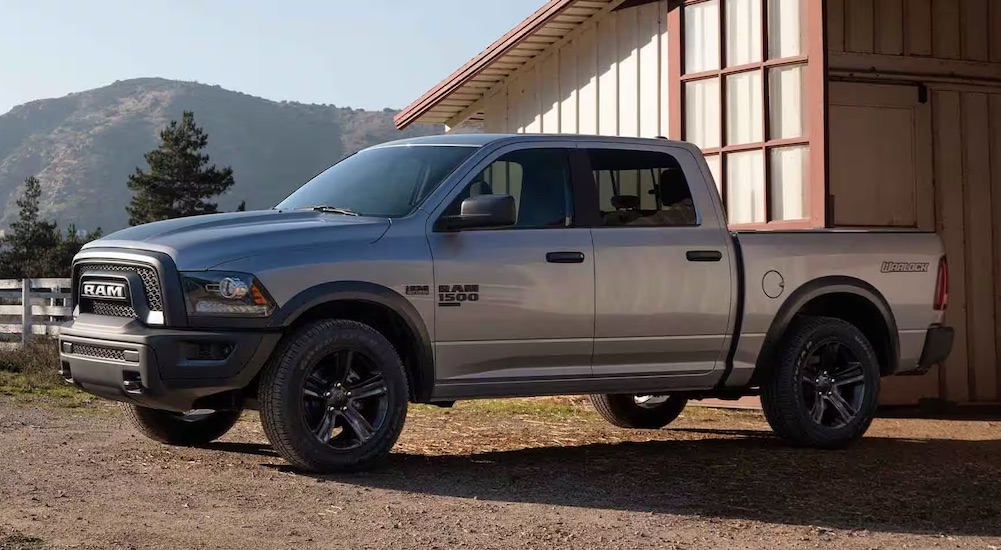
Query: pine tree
x,y
33,247
180,181
26,243
242,207
69,245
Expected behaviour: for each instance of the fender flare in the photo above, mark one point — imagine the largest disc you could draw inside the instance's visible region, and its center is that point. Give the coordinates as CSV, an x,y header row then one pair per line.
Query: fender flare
x,y
822,287
360,291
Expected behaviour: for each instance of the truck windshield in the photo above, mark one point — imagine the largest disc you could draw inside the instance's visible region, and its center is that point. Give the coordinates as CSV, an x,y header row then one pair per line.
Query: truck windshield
x,y
385,181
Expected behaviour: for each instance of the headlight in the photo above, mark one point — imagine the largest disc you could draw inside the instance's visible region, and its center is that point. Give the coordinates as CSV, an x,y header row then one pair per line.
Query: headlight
x,y
221,294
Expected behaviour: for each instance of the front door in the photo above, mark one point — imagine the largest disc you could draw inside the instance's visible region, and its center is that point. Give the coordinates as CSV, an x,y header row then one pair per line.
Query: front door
x,y
664,288
517,303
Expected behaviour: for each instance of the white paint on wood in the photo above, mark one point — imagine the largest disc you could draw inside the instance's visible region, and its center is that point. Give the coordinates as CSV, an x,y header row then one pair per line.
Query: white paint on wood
x,y
628,30
587,82
611,79
45,305
550,90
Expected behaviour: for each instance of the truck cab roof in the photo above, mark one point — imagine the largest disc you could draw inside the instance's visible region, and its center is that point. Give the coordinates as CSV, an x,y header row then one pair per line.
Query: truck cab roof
x,y
481,140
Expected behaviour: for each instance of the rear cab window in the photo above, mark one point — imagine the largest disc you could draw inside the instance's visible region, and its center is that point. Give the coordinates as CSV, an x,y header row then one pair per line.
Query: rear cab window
x,y
638,188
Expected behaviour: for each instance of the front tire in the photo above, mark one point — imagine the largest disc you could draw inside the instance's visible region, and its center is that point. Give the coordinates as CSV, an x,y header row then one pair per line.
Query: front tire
x,y
645,412
334,397
183,429
824,390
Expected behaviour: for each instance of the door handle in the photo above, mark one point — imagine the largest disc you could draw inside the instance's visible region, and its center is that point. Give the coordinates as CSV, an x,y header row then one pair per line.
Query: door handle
x,y
565,257
704,255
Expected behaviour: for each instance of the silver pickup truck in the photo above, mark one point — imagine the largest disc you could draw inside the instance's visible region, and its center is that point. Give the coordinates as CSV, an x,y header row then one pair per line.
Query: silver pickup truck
x,y
457,267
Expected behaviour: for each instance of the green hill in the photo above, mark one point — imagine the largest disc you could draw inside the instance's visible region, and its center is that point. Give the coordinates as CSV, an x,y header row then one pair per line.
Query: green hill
x,y
84,146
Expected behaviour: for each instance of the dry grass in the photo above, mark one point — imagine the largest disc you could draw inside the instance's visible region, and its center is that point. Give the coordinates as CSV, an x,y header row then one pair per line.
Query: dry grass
x,y
33,371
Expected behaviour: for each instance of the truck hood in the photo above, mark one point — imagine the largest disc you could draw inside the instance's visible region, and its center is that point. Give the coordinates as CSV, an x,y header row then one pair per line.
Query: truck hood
x,y
202,242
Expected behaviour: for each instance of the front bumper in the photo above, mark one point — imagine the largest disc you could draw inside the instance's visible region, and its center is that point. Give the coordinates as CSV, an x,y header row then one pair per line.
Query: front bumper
x,y
938,346
161,368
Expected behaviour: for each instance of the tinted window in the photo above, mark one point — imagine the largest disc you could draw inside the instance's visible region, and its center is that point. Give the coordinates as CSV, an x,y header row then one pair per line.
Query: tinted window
x,y
539,181
387,182
641,188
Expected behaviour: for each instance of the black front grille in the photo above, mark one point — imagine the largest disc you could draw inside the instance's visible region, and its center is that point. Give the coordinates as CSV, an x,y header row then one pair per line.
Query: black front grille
x,y
109,309
99,352
151,289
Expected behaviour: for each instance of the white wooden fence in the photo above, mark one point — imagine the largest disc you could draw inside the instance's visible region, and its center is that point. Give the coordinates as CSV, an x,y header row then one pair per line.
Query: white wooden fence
x,y
33,307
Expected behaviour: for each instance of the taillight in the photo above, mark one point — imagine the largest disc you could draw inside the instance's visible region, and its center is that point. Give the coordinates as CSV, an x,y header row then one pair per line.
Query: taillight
x,y
942,285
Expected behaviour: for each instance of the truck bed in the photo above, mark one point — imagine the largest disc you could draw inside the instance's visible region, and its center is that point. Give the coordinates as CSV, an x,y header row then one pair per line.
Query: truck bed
x,y
779,267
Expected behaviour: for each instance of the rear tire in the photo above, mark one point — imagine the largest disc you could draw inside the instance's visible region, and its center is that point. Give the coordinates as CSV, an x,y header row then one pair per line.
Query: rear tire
x,y
334,397
824,390
175,428
629,411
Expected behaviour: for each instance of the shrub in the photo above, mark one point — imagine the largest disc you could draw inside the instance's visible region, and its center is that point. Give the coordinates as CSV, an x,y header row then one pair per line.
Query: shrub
x,y
32,368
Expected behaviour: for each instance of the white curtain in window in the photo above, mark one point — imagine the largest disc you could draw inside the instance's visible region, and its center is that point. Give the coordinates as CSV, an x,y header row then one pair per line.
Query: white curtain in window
x,y
743,32
785,29
790,169
702,116
787,91
715,167
702,37
745,187
744,108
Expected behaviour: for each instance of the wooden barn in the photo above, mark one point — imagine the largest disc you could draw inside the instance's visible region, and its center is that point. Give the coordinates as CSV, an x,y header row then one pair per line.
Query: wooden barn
x,y
812,113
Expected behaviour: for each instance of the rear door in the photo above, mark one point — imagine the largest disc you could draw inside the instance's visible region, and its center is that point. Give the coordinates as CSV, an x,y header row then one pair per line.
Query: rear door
x,y
516,304
662,271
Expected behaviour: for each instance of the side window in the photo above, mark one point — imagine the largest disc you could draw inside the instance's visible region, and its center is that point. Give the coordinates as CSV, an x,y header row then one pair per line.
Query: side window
x,y
641,188
539,181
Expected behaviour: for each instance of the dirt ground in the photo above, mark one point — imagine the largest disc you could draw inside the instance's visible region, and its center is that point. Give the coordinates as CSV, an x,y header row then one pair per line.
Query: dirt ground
x,y
513,474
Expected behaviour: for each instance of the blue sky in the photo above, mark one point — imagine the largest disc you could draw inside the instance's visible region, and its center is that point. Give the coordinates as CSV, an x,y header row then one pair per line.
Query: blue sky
x,y
364,54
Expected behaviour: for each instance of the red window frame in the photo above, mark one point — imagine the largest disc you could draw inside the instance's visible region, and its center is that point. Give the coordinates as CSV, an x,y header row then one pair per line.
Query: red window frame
x,y
815,117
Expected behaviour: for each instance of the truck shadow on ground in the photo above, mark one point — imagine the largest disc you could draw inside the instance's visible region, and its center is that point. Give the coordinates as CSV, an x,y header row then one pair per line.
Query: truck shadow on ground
x,y
897,485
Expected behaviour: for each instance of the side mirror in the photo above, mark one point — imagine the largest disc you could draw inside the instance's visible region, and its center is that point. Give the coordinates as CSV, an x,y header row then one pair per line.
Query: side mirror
x,y
483,211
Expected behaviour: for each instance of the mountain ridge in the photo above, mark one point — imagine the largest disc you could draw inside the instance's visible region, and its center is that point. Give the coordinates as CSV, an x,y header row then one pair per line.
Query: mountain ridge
x,y
83,146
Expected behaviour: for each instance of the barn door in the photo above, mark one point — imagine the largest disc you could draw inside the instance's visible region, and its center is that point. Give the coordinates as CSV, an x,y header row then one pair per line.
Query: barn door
x,y
882,175
881,156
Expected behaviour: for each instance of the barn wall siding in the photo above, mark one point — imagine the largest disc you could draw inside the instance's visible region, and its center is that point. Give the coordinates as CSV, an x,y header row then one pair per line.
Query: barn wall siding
x,y
968,30
954,46
611,79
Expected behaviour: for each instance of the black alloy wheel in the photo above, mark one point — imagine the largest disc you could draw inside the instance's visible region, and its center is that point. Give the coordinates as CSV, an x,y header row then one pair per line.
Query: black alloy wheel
x,y
345,399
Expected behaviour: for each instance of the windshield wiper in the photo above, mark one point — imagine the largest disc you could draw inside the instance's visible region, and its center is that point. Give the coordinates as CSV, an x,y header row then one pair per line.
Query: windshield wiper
x,y
332,210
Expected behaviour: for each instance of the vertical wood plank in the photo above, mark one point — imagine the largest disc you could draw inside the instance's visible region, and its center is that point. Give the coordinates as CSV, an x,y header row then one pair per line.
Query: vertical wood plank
x,y
568,89
918,33
549,85
976,29
946,36
530,113
674,69
494,114
995,126
890,27
664,70
26,330
649,69
816,115
608,79
979,246
924,167
835,25
587,82
949,196
628,73
859,26
995,31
